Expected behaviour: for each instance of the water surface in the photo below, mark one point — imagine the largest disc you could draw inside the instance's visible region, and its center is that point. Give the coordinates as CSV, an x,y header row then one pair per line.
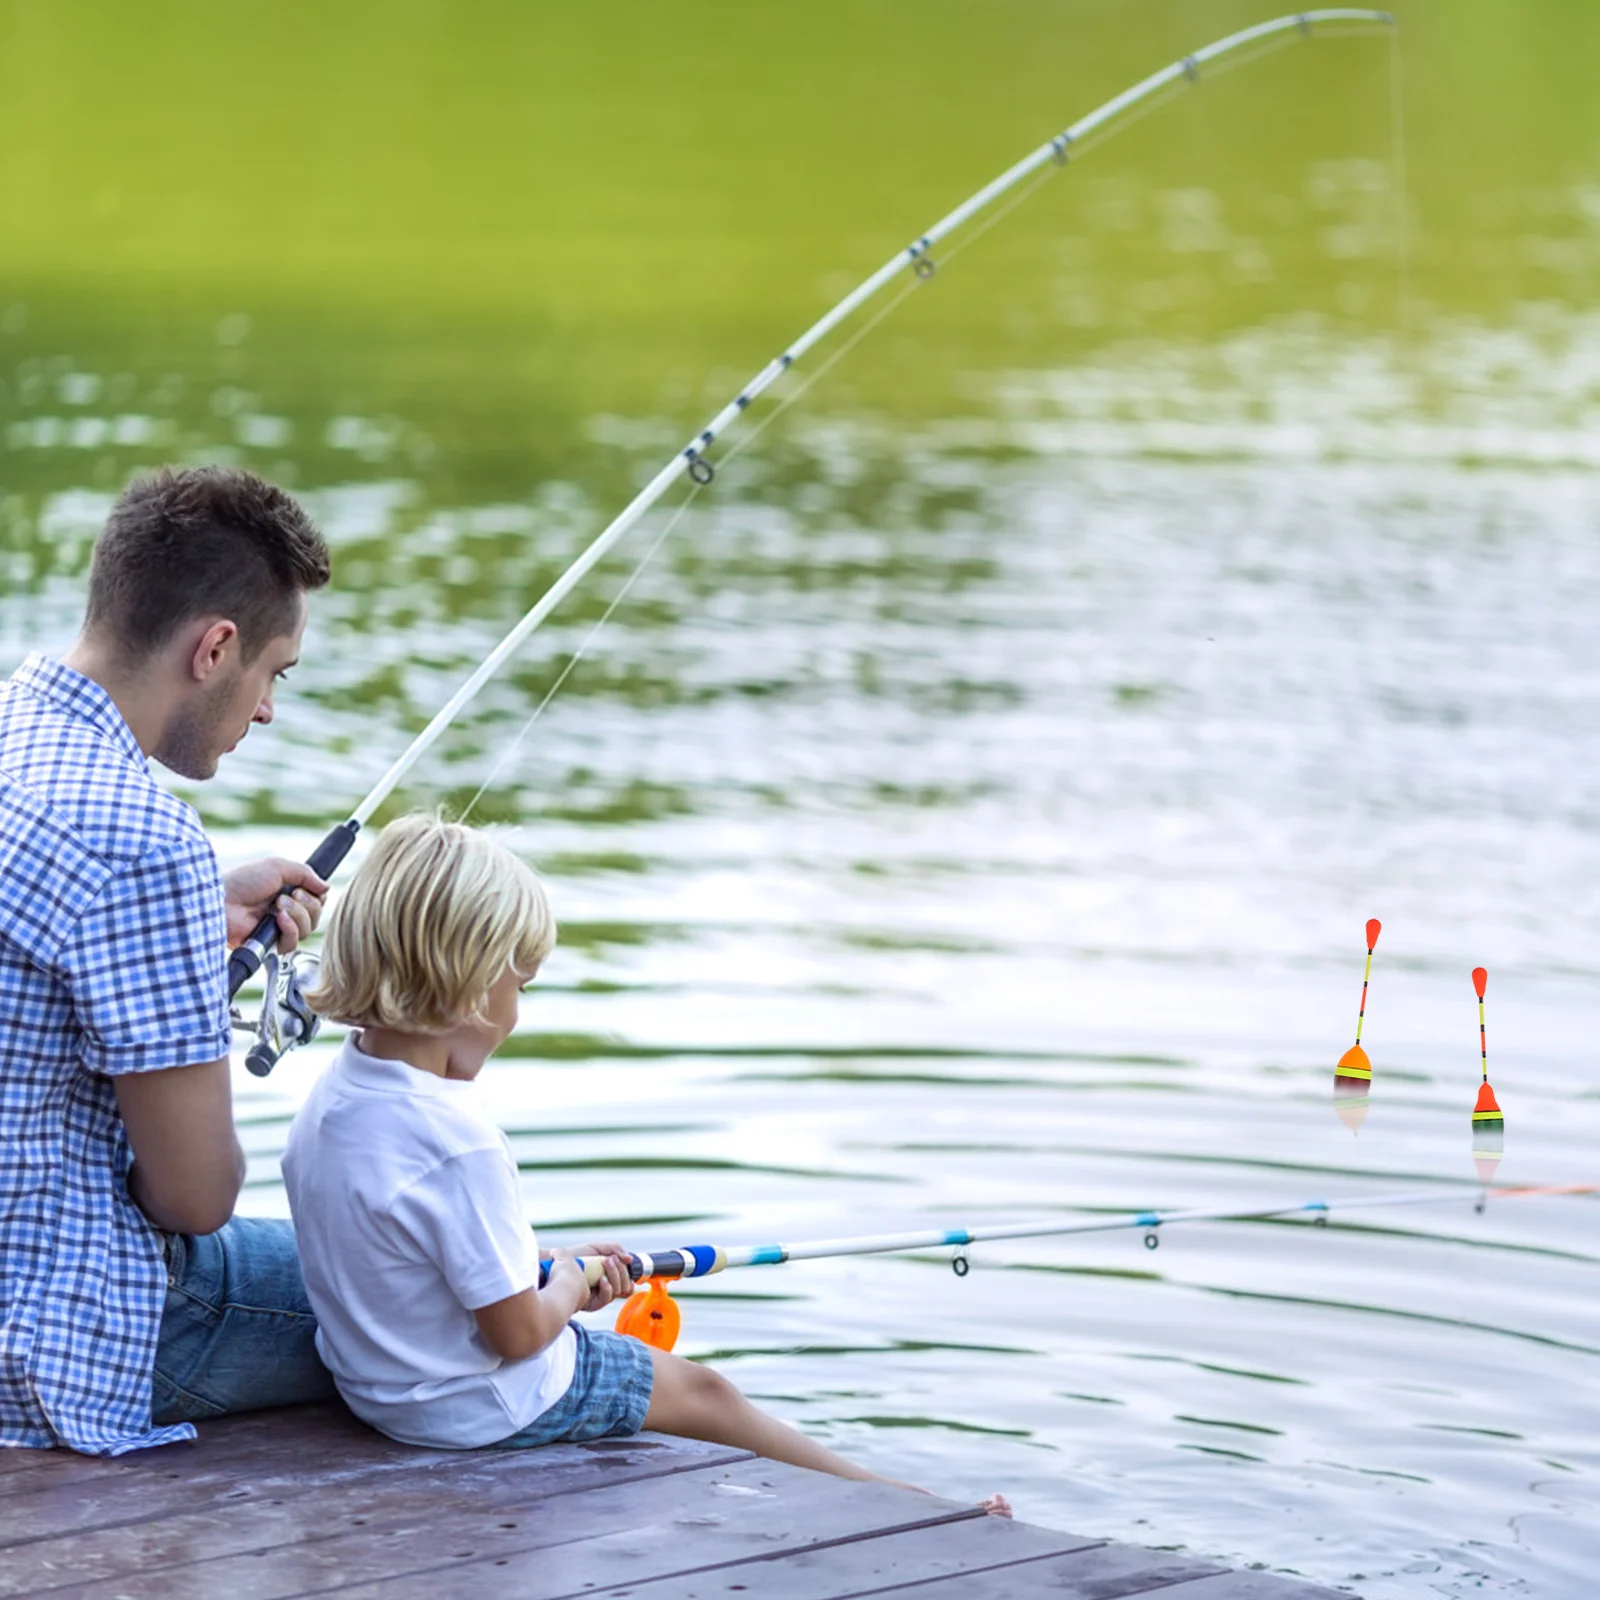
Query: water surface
x,y
972,810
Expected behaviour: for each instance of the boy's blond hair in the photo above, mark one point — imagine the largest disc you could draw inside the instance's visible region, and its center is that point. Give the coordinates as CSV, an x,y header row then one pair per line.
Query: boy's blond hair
x,y
431,921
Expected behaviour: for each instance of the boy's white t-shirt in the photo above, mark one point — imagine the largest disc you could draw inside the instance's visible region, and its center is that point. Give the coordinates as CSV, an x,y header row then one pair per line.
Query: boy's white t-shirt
x,y
409,1216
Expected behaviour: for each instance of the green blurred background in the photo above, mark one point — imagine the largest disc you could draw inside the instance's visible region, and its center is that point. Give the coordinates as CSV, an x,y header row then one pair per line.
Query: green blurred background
x,y
484,224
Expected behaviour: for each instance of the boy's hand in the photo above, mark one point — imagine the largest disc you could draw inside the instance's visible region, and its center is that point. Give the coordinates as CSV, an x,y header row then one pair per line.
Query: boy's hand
x,y
616,1282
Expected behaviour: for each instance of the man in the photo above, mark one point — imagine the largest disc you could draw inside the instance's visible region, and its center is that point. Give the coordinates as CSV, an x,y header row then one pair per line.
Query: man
x,y
130,1305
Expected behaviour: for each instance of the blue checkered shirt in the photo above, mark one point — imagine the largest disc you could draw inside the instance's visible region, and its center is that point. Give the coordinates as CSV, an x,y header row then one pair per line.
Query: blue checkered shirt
x,y
112,950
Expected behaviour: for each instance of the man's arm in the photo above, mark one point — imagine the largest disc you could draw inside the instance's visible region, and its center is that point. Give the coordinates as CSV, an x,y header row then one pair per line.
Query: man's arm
x,y
187,1164
143,964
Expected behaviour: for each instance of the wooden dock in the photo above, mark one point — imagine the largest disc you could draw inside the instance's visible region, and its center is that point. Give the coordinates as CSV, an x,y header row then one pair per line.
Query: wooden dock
x,y
309,1502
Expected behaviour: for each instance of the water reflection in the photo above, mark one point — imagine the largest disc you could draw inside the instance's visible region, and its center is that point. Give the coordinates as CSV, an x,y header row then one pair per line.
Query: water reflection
x,y
1350,1096
1488,1135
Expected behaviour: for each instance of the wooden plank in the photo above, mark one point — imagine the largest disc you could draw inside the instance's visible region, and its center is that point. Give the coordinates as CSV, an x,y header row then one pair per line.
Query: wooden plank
x,y
18,1458
100,1494
281,1504
457,1546
498,1485
295,1434
237,1463
1106,1573
863,1565
1253,1586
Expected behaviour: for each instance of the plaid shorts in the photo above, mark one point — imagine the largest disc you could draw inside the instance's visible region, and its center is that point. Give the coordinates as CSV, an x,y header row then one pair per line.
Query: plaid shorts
x,y
611,1381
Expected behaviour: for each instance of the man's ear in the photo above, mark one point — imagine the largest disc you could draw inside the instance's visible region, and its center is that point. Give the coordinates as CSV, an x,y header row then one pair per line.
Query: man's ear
x,y
212,648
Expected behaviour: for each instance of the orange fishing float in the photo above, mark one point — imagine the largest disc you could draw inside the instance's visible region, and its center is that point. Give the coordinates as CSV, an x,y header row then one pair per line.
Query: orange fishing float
x,y
1352,1078
1488,1125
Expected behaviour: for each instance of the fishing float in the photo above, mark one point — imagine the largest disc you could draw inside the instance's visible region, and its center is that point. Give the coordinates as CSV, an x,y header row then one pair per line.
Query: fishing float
x,y
286,1021
1352,1078
1488,1123
656,1269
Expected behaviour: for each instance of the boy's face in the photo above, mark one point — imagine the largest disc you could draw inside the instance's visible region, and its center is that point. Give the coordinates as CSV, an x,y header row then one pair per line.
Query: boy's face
x,y
500,1014
470,1044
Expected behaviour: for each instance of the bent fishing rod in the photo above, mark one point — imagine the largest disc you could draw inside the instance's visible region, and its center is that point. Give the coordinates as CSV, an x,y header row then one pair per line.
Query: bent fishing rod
x,y
701,1260
286,1021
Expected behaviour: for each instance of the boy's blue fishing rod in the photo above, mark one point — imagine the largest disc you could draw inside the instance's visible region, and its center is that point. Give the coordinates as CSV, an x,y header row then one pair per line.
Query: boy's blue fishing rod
x,y
701,1260
694,462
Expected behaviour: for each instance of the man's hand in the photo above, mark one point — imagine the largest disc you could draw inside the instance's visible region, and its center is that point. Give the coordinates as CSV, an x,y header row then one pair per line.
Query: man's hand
x,y
258,887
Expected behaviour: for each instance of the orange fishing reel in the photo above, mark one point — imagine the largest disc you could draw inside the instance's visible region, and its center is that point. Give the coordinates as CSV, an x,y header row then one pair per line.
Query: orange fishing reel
x,y
651,1315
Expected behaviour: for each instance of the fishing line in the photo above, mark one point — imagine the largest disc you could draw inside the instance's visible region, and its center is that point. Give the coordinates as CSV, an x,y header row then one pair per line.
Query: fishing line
x,y
738,448
1398,179
692,460
745,440
1214,71
1090,142
798,392
578,654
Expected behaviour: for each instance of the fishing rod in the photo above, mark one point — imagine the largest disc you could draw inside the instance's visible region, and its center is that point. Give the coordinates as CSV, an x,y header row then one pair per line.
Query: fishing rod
x,y
286,1020
701,1260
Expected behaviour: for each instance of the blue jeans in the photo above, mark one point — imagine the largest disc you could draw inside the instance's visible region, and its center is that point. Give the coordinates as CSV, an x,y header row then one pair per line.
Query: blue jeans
x,y
237,1332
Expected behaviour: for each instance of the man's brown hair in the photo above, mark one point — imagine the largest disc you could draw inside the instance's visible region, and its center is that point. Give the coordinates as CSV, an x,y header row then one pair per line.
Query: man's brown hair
x,y
201,541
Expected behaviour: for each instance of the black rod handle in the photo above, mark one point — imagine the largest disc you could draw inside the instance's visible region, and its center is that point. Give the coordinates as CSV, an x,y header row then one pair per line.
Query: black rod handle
x,y
324,861
667,1264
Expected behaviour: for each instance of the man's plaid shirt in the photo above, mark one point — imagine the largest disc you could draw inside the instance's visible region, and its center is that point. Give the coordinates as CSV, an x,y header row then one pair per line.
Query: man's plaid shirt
x,y
112,950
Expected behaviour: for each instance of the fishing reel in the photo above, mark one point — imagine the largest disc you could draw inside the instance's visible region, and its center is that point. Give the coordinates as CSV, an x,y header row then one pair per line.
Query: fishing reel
x,y
286,1020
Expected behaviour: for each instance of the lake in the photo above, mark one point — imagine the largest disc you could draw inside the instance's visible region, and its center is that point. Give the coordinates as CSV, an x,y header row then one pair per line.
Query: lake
x,y
972,809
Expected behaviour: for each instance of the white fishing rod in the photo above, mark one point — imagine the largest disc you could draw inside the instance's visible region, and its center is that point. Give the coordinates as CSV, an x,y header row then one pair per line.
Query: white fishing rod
x,y
692,461
701,1260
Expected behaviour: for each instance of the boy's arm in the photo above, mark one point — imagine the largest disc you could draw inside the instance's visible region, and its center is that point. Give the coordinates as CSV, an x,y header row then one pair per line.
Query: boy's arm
x,y
523,1324
465,1214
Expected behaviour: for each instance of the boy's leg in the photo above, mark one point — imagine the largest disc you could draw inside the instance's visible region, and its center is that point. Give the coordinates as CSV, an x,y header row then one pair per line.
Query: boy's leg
x,y
697,1403
237,1330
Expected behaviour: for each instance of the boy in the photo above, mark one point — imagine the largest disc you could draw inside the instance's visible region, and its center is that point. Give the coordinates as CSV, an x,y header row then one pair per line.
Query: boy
x,y
417,1257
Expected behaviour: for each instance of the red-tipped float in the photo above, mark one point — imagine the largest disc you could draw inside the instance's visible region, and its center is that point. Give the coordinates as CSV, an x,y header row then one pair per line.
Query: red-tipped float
x,y
1352,1078
1488,1124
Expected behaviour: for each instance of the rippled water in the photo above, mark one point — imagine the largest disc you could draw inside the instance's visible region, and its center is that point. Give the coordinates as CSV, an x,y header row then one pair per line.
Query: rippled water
x,y
973,810
1006,852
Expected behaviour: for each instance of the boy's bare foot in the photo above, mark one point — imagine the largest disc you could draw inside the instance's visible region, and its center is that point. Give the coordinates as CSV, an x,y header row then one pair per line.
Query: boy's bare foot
x,y
996,1505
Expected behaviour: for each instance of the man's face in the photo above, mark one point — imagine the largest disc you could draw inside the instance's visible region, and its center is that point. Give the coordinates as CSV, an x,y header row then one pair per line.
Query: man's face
x,y
235,694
